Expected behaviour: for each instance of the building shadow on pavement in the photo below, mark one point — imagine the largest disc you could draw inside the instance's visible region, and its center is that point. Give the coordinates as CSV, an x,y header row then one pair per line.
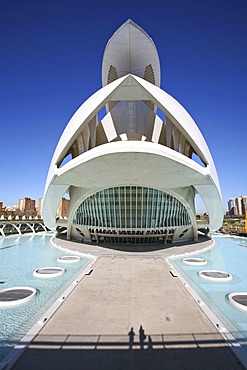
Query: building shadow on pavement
x,y
137,351
139,248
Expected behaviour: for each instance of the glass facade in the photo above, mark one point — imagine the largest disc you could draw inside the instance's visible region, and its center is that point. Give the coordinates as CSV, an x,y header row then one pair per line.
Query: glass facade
x,y
131,208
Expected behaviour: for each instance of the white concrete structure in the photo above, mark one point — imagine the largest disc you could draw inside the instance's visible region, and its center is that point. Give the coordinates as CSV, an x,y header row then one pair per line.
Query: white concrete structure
x,y
132,176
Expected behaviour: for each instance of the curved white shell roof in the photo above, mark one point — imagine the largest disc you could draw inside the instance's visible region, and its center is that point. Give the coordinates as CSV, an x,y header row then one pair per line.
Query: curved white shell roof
x,y
130,50
121,150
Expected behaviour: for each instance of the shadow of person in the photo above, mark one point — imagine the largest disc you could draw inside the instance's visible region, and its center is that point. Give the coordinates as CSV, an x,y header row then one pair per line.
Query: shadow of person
x,y
142,337
131,335
150,343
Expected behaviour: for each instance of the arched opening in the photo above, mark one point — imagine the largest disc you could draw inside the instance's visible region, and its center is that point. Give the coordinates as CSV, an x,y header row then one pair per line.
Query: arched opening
x,y
131,214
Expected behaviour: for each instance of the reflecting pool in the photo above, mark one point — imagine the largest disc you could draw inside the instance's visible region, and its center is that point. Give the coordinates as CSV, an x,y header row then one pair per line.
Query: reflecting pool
x,y
229,256
19,258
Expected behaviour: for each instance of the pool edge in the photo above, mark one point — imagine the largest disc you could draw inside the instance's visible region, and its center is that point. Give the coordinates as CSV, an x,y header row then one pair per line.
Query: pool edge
x,y
16,352
231,341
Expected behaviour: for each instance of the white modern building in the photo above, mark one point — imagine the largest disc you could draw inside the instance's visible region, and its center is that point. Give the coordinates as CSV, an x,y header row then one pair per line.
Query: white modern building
x,y
132,176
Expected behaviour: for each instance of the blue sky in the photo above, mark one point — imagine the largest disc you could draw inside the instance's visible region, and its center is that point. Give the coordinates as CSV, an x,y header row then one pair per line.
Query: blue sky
x,y
51,54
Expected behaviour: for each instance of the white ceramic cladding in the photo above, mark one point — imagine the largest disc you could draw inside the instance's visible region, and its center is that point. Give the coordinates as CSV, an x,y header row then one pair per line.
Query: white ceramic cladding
x,y
145,138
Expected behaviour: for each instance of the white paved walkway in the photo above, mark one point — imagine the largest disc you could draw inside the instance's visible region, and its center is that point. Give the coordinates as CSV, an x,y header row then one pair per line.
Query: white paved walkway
x,y
129,313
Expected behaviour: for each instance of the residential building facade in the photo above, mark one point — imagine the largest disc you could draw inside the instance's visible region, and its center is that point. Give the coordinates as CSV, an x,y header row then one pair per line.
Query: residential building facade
x,y
237,206
26,204
63,208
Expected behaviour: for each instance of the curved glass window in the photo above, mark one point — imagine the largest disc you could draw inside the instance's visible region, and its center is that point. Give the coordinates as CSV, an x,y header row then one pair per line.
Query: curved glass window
x,y
131,207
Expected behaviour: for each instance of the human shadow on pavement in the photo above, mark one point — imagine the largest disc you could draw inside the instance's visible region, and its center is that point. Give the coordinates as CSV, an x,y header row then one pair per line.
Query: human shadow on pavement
x,y
100,352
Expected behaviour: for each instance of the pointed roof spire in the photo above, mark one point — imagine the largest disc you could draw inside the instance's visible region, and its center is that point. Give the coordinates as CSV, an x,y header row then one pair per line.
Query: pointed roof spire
x,y
130,50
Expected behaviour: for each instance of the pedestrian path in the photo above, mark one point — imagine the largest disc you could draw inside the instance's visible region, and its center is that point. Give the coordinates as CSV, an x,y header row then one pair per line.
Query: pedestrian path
x,y
129,313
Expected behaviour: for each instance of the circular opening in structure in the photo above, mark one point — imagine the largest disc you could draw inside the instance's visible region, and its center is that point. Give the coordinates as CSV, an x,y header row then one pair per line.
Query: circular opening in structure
x,y
195,261
68,259
239,300
215,275
48,272
16,295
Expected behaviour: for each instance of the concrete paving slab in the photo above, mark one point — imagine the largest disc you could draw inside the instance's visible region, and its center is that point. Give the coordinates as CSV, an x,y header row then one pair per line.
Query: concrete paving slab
x,y
128,314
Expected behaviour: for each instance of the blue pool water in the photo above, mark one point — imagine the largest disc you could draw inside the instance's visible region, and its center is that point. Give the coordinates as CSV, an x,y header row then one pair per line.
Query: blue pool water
x,y
19,257
229,255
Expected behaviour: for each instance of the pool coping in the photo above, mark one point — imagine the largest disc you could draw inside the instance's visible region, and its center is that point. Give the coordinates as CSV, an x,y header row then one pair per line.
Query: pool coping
x,y
232,342
17,351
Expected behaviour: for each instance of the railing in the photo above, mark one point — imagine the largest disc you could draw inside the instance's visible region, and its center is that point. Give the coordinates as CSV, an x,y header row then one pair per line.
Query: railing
x,y
21,227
